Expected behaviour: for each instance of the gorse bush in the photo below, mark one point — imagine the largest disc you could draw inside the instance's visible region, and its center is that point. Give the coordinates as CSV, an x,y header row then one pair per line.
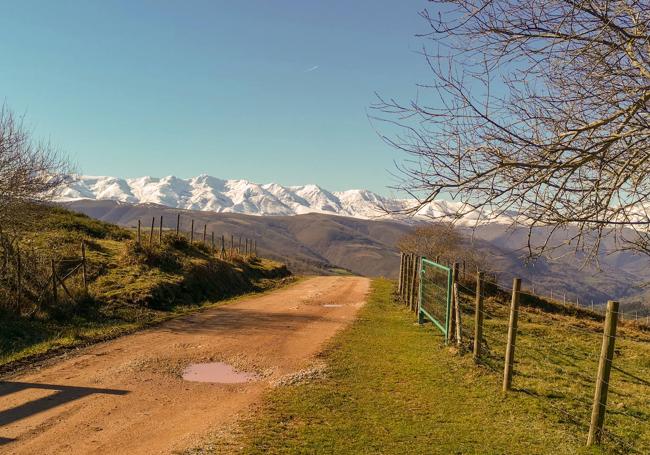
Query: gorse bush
x,y
173,240
155,255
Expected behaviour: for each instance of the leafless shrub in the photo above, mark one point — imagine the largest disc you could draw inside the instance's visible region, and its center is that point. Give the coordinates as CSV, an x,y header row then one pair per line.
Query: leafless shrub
x,y
444,243
539,107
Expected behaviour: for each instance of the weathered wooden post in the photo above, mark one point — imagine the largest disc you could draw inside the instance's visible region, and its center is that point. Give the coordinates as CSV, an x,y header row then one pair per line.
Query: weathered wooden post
x,y
84,276
192,233
478,316
604,369
139,237
399,276
232,246
455,276
409,291
19,266
161,229
414,292
212,235
153,223
407,287
452,314
54,295
512,335
205,233
178,224
223,246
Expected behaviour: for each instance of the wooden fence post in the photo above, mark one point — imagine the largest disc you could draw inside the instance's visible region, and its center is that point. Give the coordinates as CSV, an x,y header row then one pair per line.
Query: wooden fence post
x,y
403,276
84,277
399,276
153,224
232,246
414,293
139,237
178,224
205,233
161,229
455,276
478,316
407,290
192,233
223,246
212,235
512,335
604,368
54,296
452,316
19,266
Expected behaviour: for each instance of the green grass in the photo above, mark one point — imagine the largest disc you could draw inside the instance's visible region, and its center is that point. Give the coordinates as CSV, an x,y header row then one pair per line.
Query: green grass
x,y
394,387
130,286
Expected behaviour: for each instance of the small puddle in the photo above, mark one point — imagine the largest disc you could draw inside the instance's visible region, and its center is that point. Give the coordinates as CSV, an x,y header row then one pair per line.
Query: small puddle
x,y
332,305
217,372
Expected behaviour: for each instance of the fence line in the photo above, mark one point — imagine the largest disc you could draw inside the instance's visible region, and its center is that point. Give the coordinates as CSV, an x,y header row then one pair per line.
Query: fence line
x,y
29,276
533,354
246,249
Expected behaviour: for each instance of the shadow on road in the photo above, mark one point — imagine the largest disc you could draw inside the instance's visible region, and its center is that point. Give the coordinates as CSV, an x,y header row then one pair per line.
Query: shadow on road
x,y
64,394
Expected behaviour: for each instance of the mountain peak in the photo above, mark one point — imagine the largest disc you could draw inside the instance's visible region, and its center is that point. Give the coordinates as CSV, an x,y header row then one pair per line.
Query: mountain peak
x,y
208,193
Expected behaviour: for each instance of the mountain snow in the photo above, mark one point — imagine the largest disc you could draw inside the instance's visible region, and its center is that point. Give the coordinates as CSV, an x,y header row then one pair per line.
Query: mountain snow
x,y
208,193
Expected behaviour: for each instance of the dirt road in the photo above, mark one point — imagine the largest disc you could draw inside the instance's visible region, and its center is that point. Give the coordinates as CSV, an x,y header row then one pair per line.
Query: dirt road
x,y
128,395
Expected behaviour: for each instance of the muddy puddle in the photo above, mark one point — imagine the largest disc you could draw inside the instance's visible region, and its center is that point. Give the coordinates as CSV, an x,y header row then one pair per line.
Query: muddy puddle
x,y
217,372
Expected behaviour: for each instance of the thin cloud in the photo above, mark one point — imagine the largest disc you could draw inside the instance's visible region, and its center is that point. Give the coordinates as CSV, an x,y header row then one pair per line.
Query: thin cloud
x,y
313,68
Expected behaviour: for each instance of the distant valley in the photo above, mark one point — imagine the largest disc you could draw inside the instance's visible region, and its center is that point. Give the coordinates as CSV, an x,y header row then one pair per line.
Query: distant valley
x,y
321,243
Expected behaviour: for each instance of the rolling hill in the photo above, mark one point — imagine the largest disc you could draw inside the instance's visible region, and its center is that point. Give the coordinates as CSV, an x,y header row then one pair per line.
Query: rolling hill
x,y
307,243
321,243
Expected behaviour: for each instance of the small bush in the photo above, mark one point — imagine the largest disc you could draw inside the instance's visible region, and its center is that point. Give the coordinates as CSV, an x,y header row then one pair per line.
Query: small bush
x,y
153,256
202,247
178,242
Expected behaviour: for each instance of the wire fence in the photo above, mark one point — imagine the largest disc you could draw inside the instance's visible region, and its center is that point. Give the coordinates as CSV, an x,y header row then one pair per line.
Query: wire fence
x,y
557,358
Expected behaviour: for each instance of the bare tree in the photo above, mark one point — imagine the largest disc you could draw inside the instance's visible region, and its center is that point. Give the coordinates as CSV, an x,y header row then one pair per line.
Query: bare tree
x,y
536,107
442,242
30,171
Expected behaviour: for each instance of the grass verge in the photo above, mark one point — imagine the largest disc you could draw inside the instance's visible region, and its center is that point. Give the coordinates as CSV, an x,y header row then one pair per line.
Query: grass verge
x,y
394,387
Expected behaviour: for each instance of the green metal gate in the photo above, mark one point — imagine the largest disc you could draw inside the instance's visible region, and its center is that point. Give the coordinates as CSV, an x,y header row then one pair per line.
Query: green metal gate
x,y
435,295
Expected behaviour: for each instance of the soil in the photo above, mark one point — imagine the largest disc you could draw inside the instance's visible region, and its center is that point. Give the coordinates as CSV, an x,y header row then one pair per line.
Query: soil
x,y
128,395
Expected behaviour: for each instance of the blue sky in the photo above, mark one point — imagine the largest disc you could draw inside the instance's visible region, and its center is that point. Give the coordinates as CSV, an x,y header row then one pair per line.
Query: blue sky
x,y
262,90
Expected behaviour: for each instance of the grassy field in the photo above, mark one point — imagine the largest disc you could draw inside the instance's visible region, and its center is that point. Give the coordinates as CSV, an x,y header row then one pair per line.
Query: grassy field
x,y
393,387
131,286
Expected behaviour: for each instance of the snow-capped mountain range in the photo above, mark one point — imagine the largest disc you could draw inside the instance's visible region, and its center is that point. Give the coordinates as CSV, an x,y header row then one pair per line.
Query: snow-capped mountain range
x,y
241,196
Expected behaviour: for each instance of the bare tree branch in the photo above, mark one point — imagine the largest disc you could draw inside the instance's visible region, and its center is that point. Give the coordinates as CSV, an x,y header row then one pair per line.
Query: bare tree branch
x,y
540,108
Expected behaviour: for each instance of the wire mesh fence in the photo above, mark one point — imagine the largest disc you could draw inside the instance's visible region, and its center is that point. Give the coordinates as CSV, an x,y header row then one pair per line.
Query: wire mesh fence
x,y
556,360
557,356
435,294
